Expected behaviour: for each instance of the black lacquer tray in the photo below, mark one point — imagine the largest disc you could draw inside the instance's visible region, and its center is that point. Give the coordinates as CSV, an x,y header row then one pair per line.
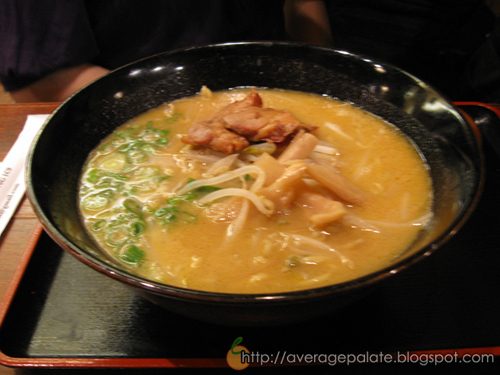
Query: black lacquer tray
x,y
63,314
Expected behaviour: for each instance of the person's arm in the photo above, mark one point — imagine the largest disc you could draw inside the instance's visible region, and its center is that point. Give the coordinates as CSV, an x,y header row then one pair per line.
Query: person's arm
x,y
307,21
59,85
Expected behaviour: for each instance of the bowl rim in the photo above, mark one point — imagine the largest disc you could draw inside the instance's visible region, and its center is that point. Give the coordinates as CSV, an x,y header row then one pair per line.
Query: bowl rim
x,y
304,295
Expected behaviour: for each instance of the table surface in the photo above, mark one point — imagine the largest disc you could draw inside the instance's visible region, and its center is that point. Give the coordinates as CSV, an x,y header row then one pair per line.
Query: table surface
x,y
15,239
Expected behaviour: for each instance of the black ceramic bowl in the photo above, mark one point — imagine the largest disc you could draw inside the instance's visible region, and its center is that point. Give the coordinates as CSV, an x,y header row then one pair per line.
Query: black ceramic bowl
x,y
447,140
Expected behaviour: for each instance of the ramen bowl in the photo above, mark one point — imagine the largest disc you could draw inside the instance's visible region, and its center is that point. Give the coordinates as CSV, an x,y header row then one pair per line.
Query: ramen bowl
x,y
447,140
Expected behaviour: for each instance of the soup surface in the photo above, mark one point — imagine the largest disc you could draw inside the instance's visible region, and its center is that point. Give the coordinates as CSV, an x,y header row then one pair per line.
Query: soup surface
x,y
198,193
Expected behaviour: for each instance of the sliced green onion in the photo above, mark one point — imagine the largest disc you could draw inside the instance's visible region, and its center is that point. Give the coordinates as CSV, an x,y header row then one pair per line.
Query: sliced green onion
x,y
182,198
162,132
166,210
162,141
93,176
149,171
169,218
107,193
207,189
129,192
136,156
133,206
137,228
161,178
104,182
146,186
148,148
116,175
117,236
127,147
133,255
94,202
99,225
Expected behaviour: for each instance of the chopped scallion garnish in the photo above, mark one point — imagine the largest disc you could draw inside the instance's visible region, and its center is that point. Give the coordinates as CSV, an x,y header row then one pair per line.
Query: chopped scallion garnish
x,y
133,255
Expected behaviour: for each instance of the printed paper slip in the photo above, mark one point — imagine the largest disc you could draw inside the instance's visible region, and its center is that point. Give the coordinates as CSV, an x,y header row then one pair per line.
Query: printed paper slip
x,y
12,170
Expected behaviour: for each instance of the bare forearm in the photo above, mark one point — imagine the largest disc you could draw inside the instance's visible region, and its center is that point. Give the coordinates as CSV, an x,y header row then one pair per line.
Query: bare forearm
x,y
307,21
59,85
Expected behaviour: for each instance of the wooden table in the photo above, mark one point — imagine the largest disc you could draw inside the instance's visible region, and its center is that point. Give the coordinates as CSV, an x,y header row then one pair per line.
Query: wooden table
x,y
16,236
15,239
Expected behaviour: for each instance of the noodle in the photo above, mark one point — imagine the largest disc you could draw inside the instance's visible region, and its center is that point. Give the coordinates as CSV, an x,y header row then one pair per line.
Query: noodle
x,y
263,205
337,130
224,178
322,149
222,165
316,244
198,157
237,225
372,225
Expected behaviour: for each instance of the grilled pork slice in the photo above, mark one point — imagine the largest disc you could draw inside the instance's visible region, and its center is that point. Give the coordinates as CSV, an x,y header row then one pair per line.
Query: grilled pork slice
x,y
264,124
215,136
242,122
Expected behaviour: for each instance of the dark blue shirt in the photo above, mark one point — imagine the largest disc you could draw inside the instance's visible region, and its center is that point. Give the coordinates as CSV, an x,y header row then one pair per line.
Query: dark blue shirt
x,y
38,37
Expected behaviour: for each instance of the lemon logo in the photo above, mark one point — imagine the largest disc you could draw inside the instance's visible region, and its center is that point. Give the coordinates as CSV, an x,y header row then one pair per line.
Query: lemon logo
x,y
233,356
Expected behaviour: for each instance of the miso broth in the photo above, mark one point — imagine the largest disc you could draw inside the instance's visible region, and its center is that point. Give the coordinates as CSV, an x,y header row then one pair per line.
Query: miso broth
x,y
253,220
